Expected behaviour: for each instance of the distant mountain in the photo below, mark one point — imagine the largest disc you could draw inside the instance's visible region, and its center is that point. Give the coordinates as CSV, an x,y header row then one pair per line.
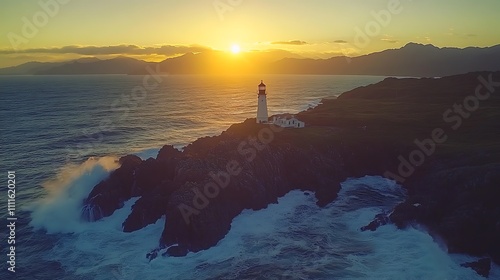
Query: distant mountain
x,y
411,60
82,66
87,59
29,68
119,65
217,62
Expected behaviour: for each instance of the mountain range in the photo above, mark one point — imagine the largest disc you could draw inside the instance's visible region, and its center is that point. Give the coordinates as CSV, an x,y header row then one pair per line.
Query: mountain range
x,y
411,60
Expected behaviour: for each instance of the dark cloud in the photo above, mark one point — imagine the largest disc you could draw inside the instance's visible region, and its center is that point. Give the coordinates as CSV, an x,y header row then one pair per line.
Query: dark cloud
x,y
340,41
167,50
294,42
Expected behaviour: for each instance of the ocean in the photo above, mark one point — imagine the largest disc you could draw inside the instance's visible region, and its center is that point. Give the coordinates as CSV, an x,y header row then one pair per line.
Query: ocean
x,y
62,135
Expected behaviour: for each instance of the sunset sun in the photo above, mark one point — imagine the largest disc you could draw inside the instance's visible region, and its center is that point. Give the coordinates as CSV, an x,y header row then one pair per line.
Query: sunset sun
x,y
238,139
235,48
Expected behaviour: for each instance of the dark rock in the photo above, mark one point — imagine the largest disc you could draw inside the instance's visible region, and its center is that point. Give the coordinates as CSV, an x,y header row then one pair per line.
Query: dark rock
x,y
151,173
458,203
327,194
153,254
379,220
149,208
177,251
454,193
129,161
168,152
482,266
109,195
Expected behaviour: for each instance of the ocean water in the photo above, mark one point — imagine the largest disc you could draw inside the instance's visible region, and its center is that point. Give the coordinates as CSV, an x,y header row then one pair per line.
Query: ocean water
x,y
62,135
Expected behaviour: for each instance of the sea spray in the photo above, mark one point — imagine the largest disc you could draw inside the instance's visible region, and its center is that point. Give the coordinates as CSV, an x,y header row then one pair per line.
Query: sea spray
x,y
293,239
60,210
178,114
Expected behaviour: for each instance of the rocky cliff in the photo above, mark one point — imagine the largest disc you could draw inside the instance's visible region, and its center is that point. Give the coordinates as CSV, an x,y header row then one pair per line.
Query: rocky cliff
x,y
452,180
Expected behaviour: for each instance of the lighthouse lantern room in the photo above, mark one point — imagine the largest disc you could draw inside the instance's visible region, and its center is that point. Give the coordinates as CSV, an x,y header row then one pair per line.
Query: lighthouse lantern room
x,y
262,116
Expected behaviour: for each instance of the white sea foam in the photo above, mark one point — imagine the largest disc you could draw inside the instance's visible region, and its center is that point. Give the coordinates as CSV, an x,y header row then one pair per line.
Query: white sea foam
x,y
60,210
294,239
313,103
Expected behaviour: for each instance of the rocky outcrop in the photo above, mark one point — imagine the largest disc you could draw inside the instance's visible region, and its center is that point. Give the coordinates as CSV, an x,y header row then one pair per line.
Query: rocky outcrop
x,y
379,220
482,266
461,203
454,192
109,195
201,189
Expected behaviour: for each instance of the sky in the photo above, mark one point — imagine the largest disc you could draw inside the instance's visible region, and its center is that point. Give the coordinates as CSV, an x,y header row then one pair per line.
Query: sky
x,y
56,30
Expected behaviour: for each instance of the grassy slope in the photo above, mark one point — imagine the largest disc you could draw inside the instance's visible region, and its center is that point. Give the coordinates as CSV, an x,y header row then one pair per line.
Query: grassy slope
x,y
400,111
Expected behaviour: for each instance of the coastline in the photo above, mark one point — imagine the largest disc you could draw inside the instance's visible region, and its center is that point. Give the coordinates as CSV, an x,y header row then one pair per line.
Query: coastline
x,y
344,137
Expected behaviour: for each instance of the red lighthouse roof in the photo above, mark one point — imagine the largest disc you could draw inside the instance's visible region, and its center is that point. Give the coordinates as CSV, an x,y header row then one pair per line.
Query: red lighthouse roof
x,y
262,88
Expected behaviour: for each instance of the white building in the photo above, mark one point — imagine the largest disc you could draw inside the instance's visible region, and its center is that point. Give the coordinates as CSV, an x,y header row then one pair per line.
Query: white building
x,y
287,120
262,116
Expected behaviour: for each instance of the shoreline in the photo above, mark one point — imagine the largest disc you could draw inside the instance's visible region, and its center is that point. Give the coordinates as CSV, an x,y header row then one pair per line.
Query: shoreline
x,y
258,165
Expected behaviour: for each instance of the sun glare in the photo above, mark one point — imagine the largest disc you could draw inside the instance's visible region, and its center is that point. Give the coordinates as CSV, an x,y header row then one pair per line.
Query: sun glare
x,y
235,48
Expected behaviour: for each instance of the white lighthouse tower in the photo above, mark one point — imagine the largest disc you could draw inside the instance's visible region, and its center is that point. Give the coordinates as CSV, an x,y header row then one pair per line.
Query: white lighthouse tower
x,y
262,116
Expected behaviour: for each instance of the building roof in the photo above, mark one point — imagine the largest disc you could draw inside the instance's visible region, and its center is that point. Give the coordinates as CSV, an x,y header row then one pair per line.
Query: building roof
x,y
285,116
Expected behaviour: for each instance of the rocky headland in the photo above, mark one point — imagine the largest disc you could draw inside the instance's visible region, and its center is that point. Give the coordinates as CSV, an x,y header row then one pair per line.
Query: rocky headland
x,y
439,137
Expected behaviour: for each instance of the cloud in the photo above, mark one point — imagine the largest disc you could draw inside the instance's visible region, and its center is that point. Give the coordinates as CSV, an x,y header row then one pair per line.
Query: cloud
x,y
167,50
470,35
294,42
340,42
389,40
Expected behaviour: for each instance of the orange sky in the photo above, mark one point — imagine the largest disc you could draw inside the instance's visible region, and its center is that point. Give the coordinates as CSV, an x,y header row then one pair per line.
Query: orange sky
x,y
52,30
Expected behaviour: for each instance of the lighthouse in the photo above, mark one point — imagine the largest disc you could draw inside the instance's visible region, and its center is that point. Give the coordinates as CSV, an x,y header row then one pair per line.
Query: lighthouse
x,y
262,116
